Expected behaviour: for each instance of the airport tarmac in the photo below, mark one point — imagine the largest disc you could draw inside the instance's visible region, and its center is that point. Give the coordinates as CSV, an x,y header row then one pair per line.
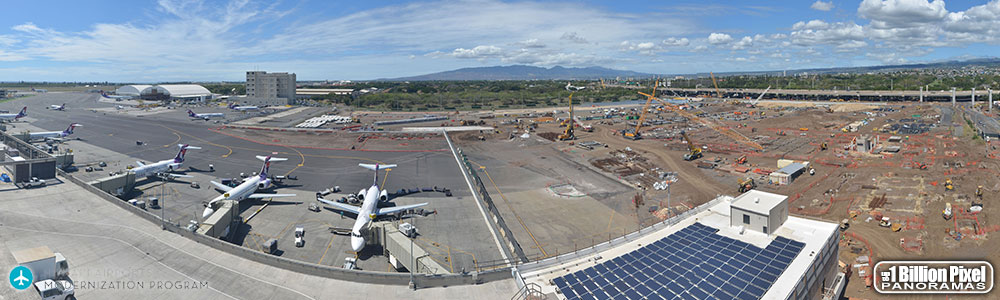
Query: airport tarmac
x,y
114,254
456,236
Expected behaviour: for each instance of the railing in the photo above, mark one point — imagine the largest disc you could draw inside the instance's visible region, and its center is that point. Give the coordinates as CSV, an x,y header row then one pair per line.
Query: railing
x,y
530,291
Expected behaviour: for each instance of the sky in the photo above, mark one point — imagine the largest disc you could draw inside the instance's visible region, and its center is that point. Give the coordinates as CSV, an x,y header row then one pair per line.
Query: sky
x,y
190,40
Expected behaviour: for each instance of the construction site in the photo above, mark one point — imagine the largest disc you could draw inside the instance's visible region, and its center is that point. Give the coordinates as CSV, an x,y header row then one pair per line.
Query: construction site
x,y
906,180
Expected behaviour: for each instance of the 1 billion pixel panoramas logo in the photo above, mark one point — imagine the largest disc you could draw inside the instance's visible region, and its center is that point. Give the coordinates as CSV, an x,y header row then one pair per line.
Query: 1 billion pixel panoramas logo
x,y
934,277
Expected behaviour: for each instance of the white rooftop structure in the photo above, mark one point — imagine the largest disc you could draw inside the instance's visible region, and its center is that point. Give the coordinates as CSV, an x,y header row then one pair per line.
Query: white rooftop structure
x,y
758,201
815,264
131,90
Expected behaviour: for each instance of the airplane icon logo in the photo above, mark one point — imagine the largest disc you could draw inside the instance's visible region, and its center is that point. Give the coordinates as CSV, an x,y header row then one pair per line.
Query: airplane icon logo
x,y
20,278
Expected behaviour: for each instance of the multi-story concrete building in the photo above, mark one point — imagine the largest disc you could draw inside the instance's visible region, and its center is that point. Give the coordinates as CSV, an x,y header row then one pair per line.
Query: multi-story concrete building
x,y
269,88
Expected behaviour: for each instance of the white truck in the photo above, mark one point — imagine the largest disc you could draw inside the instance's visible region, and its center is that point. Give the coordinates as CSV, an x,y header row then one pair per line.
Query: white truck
x,y
43,263
55,289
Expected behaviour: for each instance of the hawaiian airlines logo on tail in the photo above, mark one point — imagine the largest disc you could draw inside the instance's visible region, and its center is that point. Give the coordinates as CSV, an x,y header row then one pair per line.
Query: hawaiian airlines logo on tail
x,y
192,114
69,130
180,154
23,113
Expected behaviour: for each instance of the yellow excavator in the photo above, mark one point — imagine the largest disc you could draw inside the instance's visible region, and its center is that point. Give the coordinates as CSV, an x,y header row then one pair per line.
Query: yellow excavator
x,y
746,184
693,151
948,185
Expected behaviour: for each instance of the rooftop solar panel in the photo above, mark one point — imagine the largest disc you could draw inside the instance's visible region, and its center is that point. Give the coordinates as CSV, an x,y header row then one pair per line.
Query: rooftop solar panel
x,y
692,263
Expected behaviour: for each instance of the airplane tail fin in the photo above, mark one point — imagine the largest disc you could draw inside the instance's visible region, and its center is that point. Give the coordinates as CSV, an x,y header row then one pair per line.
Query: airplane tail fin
x,y
24,112
267,163
69,130
191,113
376,168
184,148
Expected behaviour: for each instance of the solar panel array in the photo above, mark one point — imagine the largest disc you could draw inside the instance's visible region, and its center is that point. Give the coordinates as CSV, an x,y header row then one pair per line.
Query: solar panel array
x,y
693,263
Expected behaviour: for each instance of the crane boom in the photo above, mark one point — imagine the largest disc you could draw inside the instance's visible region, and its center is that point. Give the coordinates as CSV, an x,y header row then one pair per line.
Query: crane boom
x,y
642,115
754,103
718,128
717,93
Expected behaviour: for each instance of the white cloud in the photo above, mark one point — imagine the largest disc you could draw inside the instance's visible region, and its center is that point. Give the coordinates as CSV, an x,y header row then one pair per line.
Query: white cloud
x,y
478,52
902,13
675,42
745,42
573,37
530,43
817,32
719,38
822,6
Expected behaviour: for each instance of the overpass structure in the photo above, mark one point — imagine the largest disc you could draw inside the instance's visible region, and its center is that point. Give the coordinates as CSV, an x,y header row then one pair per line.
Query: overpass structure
x,y
844,95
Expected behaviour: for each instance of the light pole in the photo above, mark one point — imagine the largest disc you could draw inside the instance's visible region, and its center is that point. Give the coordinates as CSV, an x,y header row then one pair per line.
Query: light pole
x,y
413,261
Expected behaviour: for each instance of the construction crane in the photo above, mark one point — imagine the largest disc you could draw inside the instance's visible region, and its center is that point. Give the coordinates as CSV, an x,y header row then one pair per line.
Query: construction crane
x,y
714,126
754,103
568,134
717,93
634,134
693,151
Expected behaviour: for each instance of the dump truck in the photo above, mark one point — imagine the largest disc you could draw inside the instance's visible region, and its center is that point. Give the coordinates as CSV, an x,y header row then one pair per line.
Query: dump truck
x,y
43,263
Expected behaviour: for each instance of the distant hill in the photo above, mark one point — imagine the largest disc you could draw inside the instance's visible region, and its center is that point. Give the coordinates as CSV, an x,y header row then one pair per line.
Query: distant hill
x,y
951,64
522,72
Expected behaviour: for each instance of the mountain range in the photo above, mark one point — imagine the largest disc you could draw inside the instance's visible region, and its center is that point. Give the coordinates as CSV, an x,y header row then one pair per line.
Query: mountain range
x,y
523,72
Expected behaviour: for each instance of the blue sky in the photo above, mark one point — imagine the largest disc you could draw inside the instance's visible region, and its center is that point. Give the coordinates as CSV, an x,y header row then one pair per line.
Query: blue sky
x,y
190,40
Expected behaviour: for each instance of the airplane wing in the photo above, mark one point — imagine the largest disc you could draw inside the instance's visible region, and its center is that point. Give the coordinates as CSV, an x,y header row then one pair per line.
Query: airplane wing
x,y
178,176
395,209
221,186
351,209
265,196
139,163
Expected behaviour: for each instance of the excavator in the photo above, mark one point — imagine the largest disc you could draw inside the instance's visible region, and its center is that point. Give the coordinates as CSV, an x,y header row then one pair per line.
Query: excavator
x,y
634,133
693,151
746,184
822,147
948,185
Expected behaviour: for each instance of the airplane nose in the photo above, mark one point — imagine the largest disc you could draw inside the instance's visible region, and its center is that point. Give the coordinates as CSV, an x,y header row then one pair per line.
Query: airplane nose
x,y
208,212
357,243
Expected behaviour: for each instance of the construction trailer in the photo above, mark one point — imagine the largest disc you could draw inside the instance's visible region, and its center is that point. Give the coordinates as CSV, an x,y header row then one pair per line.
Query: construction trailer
x,y
787,174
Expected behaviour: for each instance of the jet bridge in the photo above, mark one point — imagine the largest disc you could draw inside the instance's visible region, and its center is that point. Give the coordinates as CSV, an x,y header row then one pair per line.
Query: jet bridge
x,y
398,246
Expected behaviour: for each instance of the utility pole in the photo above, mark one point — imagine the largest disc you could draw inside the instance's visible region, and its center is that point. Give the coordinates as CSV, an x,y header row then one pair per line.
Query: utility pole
x,y
973,98
990,92
921,94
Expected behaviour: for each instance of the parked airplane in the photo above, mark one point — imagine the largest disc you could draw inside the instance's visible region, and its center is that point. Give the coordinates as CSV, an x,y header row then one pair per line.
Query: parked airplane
x,y
165,167
14,117
53,134
243,108
116,97
248,188
57,107
205,116
369,210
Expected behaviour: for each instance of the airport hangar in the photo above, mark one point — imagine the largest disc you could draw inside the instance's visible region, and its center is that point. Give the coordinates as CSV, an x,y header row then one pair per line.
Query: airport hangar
x,y
182,92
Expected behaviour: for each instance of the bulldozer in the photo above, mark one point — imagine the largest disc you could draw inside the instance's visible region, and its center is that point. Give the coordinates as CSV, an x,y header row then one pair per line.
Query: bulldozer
x,y
693,151
746,184
948,185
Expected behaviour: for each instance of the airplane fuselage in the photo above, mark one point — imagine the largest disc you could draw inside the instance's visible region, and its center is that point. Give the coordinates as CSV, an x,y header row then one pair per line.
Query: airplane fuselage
x,y
365,214
162,166
245,189
47,135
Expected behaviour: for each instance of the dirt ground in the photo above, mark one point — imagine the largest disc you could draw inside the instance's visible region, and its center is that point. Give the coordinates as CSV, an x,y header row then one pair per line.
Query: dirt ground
x,y
907,186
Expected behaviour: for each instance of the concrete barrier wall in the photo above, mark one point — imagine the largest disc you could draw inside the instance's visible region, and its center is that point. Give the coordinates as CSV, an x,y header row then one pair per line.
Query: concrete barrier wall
x,y
421,280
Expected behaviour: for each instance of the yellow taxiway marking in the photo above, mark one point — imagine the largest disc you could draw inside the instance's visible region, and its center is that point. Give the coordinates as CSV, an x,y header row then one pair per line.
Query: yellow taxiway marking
x,y
384,179
301,156
320,262
202,140
175,142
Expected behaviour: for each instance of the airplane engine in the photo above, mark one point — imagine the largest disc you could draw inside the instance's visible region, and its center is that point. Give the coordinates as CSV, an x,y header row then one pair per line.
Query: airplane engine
x,y
361,195
383,196
261,186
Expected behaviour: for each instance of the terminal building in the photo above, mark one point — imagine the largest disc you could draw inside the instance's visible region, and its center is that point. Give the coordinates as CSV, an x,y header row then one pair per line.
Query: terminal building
x,y
269,89
744,247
